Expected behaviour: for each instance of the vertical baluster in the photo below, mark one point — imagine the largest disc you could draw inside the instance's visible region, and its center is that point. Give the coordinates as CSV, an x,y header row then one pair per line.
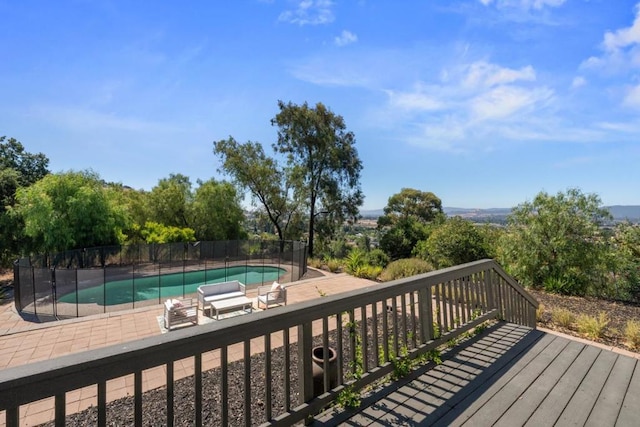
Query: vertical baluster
x,y
414,327
374,328
500,297
340,357
60,409
469,292
385,332
438,314
247,383
352,341
170,395
403,319
396,344
364,341
445,307
463,301
197,375
137,397
102,404
224,385
287,370
267,375
458,299
326,386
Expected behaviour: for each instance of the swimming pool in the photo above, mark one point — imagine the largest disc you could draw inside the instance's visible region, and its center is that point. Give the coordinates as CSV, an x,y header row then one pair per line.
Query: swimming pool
x,y
168,285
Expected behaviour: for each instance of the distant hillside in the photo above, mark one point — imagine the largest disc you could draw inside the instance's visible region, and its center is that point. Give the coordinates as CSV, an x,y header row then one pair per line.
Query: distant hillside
x,y
620,213
632,213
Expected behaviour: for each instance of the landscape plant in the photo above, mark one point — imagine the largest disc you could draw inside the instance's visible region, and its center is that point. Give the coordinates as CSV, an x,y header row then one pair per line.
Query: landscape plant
x,y
591,326
405,268
557,238
452,242
632,334
563,317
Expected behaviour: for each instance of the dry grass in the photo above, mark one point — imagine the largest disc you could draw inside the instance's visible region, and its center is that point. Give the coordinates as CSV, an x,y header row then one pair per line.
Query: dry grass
x,y
562,317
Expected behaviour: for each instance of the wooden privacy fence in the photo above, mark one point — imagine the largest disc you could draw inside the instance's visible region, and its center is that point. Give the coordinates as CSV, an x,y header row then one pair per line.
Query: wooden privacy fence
x,y
258,369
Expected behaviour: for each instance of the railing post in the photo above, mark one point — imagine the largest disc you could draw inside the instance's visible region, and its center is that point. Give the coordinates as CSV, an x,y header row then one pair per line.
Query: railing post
x,y
426,313
488,280
305,374
12,417
60,409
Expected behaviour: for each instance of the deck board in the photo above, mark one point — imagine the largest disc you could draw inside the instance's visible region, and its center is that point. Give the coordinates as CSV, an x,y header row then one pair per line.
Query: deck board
x,y
606,410
630,411
579,407
533,396
510,376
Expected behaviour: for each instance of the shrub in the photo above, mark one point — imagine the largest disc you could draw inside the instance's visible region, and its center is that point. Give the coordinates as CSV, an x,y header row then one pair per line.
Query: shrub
x,y
557,285
354,261
592,327
405,268
334,265
632,333
562,317
377,258
368,272
539,312
314,262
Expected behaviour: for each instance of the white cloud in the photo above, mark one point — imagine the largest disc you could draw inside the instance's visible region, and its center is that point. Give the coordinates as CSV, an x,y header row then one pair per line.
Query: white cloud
x,y
505,101
414,101
470,103
345,38
578,81
309,12
483,74
621,49
524,4
632,97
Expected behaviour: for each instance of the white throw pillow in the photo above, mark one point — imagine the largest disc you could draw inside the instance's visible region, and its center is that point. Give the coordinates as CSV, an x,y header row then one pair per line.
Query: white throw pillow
x,y
274,292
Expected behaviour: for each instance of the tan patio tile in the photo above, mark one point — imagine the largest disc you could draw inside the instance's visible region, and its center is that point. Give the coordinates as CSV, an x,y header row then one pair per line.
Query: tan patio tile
x,y
33,419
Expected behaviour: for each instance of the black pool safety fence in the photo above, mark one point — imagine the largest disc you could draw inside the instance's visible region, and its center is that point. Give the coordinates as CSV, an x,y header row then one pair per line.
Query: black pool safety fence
x,y
107,279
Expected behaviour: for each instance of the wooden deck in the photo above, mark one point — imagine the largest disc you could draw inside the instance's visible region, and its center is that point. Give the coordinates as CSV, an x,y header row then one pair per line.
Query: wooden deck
x,y
510,376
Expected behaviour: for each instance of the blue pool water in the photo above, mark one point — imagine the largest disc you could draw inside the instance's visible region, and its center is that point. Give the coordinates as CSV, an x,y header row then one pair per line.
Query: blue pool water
x,y
169,285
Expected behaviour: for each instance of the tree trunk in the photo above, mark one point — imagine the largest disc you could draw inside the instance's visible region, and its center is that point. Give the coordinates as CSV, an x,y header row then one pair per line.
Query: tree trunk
x,y
312,217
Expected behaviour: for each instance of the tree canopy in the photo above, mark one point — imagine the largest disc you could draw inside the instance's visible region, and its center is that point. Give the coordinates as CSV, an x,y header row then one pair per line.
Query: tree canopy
x,y
268,184
215,212
455,241
18,168
71,210
407,220
419,205
323,162
557,242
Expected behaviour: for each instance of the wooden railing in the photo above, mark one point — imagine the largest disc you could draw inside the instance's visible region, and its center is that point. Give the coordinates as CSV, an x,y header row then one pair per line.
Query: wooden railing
x,y
258,369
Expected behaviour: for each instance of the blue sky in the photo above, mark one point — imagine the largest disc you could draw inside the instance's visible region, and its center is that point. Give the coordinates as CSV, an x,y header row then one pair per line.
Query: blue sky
x,y
483,102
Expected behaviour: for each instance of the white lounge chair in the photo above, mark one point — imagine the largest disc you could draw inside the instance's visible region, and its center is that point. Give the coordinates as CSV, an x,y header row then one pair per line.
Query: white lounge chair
x,y
270,295
180,311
